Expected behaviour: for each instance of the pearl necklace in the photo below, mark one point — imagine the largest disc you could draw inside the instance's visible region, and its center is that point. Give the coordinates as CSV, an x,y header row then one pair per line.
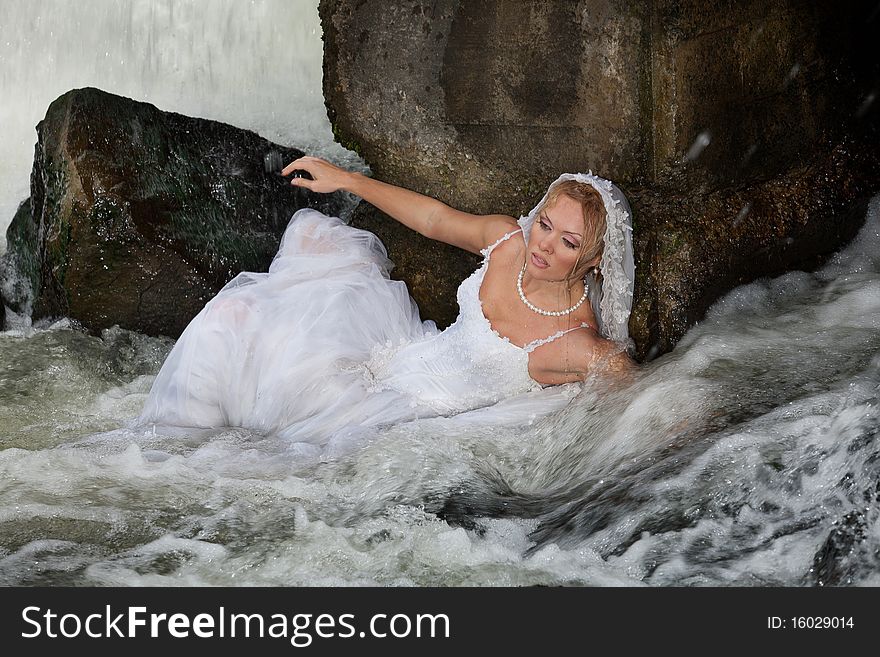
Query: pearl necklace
x,y
534,308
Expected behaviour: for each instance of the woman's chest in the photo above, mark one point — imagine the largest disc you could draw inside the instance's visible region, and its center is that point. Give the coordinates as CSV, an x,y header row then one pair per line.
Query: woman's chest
x,y
510,317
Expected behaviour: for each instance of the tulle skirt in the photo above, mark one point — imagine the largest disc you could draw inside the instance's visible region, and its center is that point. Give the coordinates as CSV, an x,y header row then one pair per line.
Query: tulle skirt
x,y
285,352
282,352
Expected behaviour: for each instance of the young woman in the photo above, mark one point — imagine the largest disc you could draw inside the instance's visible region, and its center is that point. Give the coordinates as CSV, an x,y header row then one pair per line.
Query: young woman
x,y
325,343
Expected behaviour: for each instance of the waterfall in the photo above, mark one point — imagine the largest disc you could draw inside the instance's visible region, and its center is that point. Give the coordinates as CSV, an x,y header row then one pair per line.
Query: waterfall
x,y
254,64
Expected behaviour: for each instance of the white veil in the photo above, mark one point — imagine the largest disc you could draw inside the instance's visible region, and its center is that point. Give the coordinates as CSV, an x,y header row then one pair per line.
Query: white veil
x,y
613,302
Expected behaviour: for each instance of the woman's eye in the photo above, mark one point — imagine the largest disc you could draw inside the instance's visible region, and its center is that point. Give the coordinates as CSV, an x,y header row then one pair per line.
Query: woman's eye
x,y
543,225
570,245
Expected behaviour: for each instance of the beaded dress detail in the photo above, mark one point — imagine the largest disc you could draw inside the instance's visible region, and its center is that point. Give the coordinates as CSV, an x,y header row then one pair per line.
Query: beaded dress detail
x,y
466,366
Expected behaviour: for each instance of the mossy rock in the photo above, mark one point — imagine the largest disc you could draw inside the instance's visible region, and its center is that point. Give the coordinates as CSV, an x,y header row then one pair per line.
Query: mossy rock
x,y
142,215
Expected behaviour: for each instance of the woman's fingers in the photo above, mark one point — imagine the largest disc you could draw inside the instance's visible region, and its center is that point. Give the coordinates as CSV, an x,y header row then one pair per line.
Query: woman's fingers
x,y
303,182
325,177
300,163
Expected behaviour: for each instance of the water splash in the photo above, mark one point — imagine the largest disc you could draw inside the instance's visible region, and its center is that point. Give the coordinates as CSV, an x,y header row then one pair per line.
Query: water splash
x,y
703,139
866,104
255,65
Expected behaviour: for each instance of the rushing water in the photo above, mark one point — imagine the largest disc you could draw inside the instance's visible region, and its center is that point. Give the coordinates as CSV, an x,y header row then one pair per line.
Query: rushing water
x,y
748,456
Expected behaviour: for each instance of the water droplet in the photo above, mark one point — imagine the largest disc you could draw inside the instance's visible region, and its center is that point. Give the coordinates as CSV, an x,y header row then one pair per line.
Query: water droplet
x,y
742,214
866,104
792,74
703,139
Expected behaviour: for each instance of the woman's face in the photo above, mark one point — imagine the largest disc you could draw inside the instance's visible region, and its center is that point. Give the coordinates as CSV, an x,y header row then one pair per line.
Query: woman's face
x,y
555,240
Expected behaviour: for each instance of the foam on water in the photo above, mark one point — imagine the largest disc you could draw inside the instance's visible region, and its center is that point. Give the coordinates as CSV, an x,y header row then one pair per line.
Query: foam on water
x,y
748,456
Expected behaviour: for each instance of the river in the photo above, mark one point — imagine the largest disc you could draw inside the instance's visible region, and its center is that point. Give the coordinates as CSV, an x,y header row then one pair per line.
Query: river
x,y
748,456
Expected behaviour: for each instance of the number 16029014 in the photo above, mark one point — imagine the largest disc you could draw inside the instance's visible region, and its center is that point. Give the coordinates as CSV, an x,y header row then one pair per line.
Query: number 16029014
x,y
810,622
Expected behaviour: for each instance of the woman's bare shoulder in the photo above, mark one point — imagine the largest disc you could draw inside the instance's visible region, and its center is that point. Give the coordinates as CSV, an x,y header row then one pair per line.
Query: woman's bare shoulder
x,y
497,226
504,250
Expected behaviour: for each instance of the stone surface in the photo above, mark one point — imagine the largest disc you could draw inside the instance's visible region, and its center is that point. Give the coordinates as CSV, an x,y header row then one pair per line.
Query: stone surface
x,y
20,266
141,215
764,83
482,104
696,248
696,110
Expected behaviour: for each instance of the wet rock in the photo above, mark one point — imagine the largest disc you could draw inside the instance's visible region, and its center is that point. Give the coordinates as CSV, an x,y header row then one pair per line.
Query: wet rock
x,y
19,266
692,249
745,136
482,104
833,564
140,216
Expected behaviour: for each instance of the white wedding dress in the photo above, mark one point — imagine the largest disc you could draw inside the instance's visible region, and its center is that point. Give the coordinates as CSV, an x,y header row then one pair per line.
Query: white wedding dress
x,y
325,347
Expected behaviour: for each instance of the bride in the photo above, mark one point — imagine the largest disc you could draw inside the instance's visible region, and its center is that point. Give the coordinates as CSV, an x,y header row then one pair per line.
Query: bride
x,y
325,345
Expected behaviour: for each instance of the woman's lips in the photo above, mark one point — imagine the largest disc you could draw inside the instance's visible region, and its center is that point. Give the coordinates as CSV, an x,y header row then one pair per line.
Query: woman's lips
x,y
539,262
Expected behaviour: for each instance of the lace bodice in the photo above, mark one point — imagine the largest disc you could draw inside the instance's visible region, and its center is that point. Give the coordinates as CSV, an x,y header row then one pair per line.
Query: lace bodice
x,y
325,345
466,366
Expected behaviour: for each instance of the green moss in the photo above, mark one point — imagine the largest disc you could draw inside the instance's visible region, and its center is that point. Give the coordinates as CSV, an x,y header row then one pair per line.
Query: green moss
x,y
223,247
57,226
670,243
343,140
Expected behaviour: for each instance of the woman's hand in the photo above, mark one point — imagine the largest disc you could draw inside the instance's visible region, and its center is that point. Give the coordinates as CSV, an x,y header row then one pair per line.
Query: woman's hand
x,y
326,177
425,215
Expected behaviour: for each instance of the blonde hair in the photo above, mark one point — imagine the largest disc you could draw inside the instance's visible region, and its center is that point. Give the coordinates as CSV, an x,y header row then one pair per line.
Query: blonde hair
x,y
593,208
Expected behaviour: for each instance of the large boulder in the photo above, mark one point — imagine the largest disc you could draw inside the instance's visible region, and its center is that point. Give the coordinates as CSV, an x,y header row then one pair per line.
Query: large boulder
x,y
745,135
139,216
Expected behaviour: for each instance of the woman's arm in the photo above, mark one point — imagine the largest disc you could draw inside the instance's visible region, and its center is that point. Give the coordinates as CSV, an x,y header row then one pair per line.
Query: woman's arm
x,y
579,355
423,214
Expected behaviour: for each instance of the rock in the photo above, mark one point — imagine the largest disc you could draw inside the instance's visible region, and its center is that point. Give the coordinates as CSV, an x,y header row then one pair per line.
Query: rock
x,y
20,265
692,250
745,136
141,215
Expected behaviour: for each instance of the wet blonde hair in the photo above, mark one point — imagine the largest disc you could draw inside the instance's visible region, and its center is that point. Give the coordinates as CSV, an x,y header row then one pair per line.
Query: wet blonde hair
x,y
593,208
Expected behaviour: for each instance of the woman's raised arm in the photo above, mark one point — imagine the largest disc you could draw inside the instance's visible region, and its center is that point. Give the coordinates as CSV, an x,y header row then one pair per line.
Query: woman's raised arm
x,y
423,214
